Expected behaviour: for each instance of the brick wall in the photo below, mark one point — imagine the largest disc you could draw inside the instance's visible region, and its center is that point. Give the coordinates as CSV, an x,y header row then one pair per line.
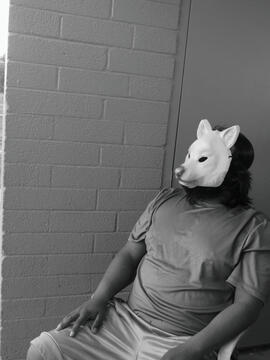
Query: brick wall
x,y
89,88
2,75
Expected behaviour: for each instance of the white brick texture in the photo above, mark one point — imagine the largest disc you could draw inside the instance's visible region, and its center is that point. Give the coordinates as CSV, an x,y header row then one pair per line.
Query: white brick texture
x,y
97,31
89,92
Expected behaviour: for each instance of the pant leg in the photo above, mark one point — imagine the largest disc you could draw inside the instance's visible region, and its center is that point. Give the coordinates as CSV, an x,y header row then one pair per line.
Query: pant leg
x,y
44,348
153,342
34,353
153,347
117,339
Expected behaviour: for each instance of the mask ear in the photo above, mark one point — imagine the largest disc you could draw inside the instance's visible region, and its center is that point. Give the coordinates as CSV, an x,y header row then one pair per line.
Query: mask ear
x,y
203,128
230,135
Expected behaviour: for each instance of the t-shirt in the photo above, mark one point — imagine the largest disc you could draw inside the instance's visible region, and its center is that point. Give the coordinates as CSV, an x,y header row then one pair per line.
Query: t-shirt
x,y
195,256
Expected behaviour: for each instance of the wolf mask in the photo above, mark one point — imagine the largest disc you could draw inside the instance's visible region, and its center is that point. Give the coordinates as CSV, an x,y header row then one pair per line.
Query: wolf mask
x,y
208,159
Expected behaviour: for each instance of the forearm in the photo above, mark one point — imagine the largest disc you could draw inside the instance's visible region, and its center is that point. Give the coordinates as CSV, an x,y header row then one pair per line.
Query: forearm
x,y
119,274
224,327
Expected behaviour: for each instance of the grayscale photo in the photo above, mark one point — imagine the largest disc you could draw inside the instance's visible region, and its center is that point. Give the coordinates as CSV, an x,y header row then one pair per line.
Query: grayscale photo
x,y
134,179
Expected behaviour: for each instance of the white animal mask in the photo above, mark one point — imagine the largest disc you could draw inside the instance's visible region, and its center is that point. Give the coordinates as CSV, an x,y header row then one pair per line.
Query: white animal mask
x,y
209,157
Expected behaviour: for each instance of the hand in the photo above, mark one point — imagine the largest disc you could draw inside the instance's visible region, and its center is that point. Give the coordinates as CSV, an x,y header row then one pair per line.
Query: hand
x,y
89,310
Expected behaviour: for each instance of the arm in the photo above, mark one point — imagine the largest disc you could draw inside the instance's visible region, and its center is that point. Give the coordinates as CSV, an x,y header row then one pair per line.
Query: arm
x,y
225,326
120,273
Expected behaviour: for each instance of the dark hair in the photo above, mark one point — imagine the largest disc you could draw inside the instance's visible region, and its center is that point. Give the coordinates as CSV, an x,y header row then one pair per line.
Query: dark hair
x,y
235,188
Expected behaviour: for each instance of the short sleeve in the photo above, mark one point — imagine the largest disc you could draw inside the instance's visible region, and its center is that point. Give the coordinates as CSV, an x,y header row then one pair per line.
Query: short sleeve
x,y
143,224
252,272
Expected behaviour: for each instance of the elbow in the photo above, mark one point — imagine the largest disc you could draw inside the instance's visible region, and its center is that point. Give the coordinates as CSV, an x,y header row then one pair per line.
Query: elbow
x,y
251,309
250,305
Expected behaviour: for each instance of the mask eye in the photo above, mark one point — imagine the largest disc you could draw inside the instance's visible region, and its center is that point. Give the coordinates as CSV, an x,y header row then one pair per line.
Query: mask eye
x,y
203,158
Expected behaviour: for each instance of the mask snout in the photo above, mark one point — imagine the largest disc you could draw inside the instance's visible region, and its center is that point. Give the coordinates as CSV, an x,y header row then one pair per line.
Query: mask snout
x,y
179,172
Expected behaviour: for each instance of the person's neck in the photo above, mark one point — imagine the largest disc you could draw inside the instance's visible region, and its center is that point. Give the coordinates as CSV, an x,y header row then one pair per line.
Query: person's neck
x,y
204,195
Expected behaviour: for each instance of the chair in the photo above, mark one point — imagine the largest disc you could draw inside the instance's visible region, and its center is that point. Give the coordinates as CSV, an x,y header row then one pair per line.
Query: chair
x,y
225,352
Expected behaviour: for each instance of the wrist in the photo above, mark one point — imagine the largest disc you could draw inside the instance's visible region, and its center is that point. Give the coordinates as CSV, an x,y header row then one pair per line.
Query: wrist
x,y
99,299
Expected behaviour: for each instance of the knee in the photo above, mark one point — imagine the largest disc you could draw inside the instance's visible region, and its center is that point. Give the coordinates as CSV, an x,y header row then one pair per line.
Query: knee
x,y
43,348
34,353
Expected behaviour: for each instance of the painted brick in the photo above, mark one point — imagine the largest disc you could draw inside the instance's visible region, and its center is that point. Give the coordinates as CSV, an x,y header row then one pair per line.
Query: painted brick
x,y
34,21
154,39
29,126
14,349
25,221
97,31
132,156
176,2
22,309
150,88
141,62
145,134
78,264
50,152
85,130
26,175
82,221
20,266
35,287
31,76
47,243
141,178
53,103
56,52
95,8
27,328
95,280
41,155
124,199
47,198
110,243
85,177
146,12
127,219
90,82
137,111
63,305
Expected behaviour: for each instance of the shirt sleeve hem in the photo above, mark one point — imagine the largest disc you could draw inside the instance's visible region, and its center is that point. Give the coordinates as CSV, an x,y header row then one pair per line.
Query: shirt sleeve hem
x,y
137,236
132,239
248,289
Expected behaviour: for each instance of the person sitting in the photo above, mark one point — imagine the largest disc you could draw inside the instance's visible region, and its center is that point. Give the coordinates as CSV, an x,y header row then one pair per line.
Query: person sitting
x,y
198,258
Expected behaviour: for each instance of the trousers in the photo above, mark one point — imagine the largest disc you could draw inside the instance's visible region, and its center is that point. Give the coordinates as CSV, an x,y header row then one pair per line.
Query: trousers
x,y
122,336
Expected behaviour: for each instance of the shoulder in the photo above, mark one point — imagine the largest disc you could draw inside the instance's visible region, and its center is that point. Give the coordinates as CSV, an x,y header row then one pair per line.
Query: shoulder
x,y
250,216
259,220
166,193
258,230
262,223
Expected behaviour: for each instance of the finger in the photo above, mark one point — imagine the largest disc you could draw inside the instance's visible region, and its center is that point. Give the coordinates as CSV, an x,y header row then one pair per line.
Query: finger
x,y
82,319
67,321
98,321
